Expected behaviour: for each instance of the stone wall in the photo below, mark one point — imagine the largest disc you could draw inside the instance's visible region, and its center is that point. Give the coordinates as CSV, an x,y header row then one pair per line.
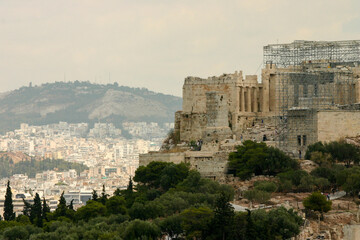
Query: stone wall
x,y
208,164
333,125
145,159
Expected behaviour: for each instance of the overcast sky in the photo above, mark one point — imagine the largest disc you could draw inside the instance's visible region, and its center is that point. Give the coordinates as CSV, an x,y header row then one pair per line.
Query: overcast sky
x,y
153,43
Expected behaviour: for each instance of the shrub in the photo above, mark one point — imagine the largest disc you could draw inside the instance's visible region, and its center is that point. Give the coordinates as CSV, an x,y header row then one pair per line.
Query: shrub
x,y
265,186
259,159
139,229
317,202
327,173
257,196
316,147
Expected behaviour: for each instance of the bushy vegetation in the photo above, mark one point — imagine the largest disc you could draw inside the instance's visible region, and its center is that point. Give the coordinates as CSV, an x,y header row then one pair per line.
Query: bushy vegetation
x,y
30,168
254,158
317,202
169,200
339,151
338,168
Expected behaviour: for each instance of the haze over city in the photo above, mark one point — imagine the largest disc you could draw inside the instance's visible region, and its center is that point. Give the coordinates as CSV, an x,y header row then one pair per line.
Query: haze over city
x,y
156,44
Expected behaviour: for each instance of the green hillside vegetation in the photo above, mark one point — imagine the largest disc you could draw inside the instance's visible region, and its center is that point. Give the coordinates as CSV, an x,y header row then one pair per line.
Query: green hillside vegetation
x,y
73,102
338,169
254,158
168,200
30,168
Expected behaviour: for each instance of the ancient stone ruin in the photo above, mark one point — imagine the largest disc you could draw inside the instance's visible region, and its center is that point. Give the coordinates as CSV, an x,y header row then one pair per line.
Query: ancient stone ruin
x,y
309,91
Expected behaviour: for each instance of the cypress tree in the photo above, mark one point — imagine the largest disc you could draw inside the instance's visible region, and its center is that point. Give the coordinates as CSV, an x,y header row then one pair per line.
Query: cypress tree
x,y
71,205
223,216
103,195
94,195
8,204
36,211
61,208
130,186
27,209
45,209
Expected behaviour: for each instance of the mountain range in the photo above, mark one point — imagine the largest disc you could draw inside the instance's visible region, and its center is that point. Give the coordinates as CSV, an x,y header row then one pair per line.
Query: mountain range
x,y
75,102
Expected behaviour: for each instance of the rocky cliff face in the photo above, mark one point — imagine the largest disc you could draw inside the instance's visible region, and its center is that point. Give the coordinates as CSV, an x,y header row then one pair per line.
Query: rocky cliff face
x,y
84,102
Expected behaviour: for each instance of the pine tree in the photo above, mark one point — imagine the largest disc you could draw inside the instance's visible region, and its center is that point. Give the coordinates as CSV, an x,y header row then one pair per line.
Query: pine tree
x,y
223,216
130,186
61,207
103,195
45,209
117,192
62,200
27,209
8,204
71,205
94,195
36,211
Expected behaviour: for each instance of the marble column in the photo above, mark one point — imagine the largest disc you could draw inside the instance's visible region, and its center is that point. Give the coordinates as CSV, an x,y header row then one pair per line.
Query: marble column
x,y
242,99
255,107
249,99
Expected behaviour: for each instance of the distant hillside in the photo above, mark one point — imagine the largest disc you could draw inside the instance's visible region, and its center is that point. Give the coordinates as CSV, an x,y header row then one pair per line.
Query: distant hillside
x,y
75,102
31,166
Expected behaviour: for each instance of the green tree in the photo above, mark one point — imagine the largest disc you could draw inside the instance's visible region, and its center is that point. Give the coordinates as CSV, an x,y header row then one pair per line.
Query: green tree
x,y
315,147
196,221
322,159
16,233
223,217
161,175
282,223
90,210
36,211
294,176
257,196
130,186
71,205
171,226
150,175
138,211
352,184
322,184
139,229
27,208
265,186
61,207
344,152
323,172
116,205
259,159
9,214
307,183
94,195
117,192
317,202
173,174
104,196
45,209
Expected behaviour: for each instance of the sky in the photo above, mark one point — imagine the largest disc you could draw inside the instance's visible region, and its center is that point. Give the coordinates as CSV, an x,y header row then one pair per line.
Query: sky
x,y
156,43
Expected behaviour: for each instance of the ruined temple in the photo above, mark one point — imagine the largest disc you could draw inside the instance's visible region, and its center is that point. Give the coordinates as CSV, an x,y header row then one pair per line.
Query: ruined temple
x,y
309,91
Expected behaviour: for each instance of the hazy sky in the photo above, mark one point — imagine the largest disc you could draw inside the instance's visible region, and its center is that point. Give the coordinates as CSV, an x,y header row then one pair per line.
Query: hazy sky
x,y
156,44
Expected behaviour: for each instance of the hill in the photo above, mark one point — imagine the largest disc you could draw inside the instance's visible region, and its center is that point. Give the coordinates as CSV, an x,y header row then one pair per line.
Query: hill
x,y
75,102
31,166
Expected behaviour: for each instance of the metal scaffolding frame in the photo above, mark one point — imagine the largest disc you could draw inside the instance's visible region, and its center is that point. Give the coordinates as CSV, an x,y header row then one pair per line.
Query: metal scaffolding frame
x,y
313,76
298,52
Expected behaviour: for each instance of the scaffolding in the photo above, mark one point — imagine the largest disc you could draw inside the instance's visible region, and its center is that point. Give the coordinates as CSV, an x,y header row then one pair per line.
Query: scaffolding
x,y
314,76
298,52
